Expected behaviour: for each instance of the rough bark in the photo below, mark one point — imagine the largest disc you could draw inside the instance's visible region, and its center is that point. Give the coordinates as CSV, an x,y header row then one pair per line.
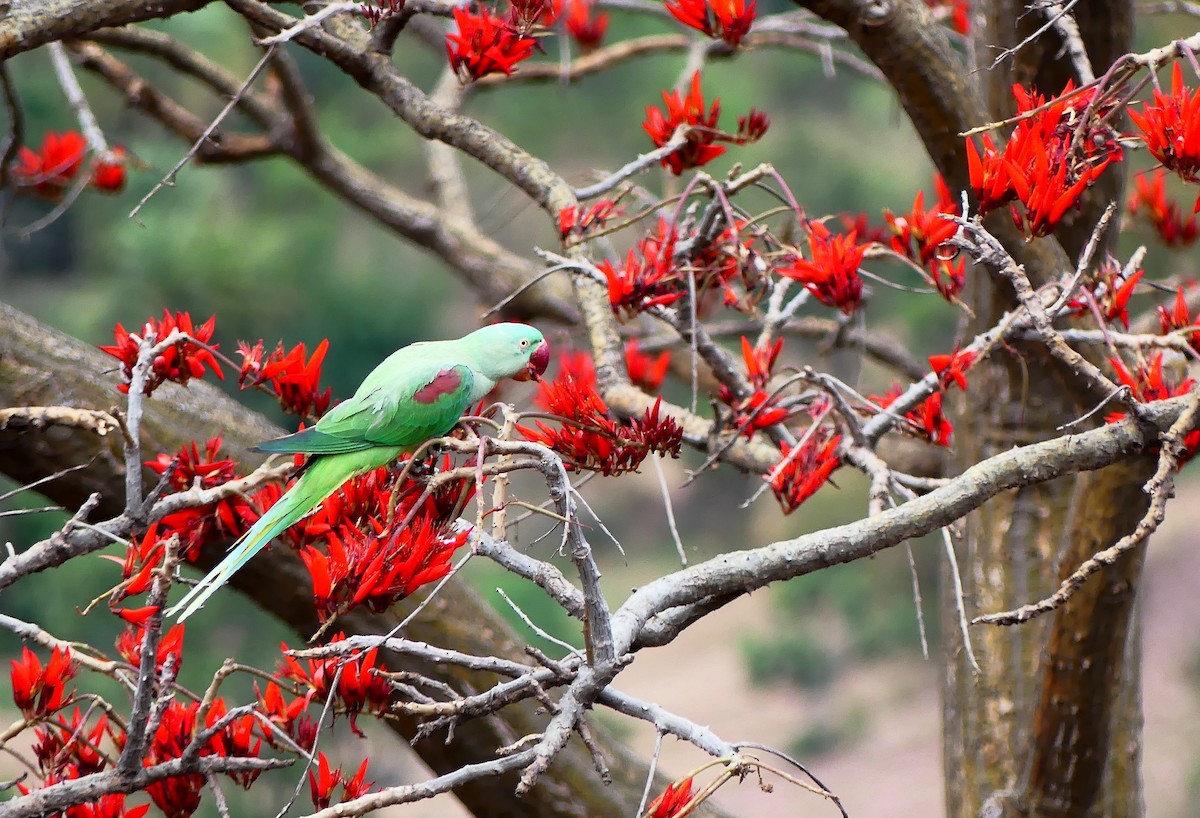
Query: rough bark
x,y
1035,731
40,366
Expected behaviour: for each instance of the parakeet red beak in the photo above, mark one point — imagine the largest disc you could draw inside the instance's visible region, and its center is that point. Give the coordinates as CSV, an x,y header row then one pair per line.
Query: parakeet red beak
x,y
539,359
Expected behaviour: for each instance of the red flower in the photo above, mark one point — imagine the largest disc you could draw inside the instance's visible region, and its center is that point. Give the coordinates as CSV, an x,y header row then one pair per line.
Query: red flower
x,y
64,743
671,801
40,691
291,376
1164,215
1048,162
927,418
646,371
752,126
832,274
759,410
803,470
358,690
201,524
485,44
952,368
921,234
729,20
323,781
1111,294
956,12
1171,128
1147,385
1178,317
235,740
179,363
50,170
686,110
170,644
571,224
586,29
291,718
380,566
650,276
588,438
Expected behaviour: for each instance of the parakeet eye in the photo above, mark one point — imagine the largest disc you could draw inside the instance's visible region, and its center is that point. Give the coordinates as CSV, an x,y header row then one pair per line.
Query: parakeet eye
x,y
523,343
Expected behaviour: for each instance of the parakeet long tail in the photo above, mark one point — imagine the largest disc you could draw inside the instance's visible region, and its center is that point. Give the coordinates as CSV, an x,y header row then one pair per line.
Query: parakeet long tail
x,y
322,477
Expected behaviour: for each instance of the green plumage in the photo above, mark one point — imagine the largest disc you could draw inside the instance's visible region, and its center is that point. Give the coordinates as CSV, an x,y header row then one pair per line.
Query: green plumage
x,y
417,393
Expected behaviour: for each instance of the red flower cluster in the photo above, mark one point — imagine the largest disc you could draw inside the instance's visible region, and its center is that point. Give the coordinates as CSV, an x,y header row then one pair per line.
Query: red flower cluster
x,y
1179,317
586,28
290,376
729,20
179,363
1110,293
66,747
650,276
646,371
1147,385
323,780
703,134
1045,165
760,410
571,224
803,470
179,796
485,44
1171,128
832,274
921,234
380,566
588,438
170,645
952,368
40,691
48,171
1163,214
359,689
195,526
927,418
671,801
291,718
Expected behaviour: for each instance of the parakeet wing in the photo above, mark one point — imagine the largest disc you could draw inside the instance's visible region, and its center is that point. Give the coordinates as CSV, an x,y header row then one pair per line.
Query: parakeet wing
x,y
404,402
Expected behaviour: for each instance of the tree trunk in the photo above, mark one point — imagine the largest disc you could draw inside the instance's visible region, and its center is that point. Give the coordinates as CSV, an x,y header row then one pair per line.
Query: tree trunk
x,y
1051,726
42,367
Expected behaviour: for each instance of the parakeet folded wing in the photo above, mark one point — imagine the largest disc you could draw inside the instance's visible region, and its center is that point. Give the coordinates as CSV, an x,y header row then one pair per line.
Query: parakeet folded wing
x,y
403,405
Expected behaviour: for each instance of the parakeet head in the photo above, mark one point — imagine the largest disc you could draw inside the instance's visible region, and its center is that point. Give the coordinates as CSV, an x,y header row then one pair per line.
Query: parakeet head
x,y
516,351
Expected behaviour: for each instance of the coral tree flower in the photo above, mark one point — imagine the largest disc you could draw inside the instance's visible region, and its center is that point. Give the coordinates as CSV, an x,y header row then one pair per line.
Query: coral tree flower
x,y
671,801
650,276
180,363
804,469
40,690
1165,216
48,171
1170,127
588,437
832,273
728,20
585,27
485,44
1049,161
686,109
292,376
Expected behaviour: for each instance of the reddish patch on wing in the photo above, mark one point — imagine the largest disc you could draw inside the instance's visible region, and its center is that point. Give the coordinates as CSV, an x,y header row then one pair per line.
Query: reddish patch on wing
x,y
444,383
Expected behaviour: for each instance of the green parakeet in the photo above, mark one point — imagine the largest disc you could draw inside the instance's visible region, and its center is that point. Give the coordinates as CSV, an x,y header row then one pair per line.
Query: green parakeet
x,y
418,393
